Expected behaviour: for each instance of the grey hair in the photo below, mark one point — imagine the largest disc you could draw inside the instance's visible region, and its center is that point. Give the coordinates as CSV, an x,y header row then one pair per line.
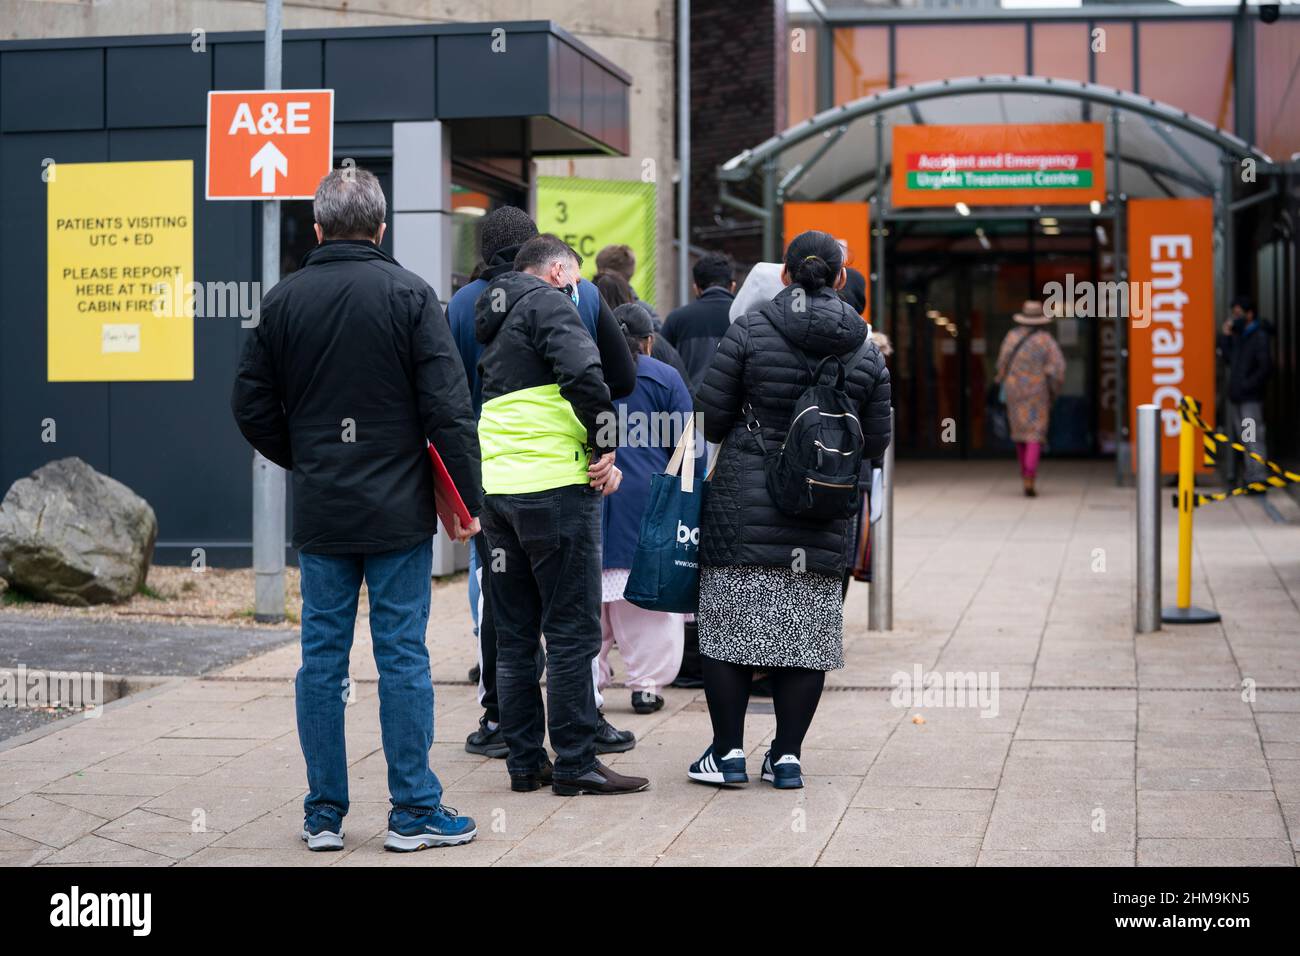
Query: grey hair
x,y
349,204
539,252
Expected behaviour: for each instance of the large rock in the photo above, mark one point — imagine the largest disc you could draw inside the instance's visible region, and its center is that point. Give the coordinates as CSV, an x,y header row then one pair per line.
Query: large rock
x,y
73,536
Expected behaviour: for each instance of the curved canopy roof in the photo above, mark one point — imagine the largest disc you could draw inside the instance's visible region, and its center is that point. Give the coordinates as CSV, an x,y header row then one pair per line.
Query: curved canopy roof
x,y
1163,151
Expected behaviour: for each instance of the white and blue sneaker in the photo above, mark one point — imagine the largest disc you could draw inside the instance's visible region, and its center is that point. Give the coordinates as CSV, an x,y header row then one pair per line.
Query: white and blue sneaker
x,y
416,829
321,834
785,774
727,772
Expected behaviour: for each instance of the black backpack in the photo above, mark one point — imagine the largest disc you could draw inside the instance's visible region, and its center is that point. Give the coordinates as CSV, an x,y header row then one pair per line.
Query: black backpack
x,y
814,474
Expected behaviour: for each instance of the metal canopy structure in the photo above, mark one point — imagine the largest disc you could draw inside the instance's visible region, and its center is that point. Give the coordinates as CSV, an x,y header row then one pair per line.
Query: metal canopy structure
x,y
1153,150
844,152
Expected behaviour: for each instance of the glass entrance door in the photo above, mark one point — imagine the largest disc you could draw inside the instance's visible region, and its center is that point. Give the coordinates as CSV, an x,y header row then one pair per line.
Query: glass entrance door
x,y
953,289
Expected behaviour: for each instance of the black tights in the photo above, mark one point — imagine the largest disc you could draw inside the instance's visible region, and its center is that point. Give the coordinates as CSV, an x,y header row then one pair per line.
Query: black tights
x,y
795,693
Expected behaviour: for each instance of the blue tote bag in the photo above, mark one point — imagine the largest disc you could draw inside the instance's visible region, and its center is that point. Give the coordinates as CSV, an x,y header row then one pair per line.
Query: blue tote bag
x,y
665,568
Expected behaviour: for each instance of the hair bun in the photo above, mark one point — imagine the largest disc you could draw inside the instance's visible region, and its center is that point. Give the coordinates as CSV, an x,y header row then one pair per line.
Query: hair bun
x,y
812,273
813,259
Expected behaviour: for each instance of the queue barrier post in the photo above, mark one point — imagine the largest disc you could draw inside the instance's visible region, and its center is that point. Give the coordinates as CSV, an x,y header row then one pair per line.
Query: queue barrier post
x,y
1148,519
1184,612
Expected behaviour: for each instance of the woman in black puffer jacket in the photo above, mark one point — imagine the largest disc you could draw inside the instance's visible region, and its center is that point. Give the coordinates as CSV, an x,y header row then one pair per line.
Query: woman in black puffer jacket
x,y
770,583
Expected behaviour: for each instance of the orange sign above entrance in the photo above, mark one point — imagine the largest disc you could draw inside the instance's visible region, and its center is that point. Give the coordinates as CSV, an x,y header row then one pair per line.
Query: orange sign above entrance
x,y
1042,164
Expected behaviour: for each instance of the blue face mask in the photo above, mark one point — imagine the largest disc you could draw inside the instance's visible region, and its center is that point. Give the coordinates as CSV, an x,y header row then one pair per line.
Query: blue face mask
x,y
573,292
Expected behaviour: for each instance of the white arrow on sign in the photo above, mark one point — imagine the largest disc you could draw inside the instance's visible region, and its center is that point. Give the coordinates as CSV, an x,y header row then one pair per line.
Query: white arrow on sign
x,y
268,161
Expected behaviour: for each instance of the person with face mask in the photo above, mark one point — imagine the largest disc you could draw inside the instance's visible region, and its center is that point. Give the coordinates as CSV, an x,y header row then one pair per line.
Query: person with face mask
x,y
501,235
548,457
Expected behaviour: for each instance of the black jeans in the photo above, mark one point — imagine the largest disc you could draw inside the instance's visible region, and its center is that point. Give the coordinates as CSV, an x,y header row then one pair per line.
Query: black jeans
x,y
544,562
487,638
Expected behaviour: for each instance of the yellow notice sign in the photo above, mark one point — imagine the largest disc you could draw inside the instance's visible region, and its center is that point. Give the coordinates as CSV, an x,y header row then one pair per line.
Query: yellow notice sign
x,y
119,235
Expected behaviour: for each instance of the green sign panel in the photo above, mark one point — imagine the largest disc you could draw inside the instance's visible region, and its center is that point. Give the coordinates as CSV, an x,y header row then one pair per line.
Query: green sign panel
x,y
590,214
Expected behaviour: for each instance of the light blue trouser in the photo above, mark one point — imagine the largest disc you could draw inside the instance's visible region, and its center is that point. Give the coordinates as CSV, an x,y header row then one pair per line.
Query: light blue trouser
x,y
398,584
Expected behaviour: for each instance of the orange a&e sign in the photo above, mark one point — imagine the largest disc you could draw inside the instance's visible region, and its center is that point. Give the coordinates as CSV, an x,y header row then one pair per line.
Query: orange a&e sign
x,y
266,144
1002,165
1171,337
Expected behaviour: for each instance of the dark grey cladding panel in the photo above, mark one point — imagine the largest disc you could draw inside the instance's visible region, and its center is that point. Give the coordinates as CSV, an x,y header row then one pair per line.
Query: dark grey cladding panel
x,y
176,443
157,86
239,66
539,74
381,78
593,99
51,89
617,123
450,72
80,410
566,86
550,137
488,137
474,81
370,136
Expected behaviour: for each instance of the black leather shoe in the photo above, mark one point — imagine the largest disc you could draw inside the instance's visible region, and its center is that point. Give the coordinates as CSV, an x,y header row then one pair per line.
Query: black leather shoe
x,y
611,741
488,743
646,702
528,782
601,780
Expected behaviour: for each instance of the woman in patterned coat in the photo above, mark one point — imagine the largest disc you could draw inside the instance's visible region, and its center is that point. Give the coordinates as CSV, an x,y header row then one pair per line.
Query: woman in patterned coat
x,y
1031,370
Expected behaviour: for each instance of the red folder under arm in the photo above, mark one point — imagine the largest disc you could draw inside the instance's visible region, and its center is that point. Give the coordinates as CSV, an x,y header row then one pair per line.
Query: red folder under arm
x,y
446,496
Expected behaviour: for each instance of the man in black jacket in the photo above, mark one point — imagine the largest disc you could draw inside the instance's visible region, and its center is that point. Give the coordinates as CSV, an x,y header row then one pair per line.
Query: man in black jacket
x,y
351,372
1245,346
501,234
547,459
696,329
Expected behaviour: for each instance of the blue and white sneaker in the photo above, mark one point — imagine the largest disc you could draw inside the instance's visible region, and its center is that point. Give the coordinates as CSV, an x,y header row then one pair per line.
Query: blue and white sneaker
x,y
410,830
785,774
323,831
729,771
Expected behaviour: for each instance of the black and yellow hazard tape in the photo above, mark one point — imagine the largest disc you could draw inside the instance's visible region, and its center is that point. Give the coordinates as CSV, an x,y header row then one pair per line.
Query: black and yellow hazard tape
x,y
1210,441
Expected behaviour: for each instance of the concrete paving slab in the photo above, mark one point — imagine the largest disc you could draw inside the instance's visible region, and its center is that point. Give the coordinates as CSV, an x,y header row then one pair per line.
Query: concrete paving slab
x,y
851,849
1214,852
95,850
1209,814
1061,760
1105,858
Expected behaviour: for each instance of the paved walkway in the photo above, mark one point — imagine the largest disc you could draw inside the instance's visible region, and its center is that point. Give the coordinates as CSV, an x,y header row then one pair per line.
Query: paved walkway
x,y
1105,749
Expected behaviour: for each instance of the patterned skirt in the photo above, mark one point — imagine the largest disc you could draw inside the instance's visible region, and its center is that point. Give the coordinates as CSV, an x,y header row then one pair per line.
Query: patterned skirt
x,y
771,617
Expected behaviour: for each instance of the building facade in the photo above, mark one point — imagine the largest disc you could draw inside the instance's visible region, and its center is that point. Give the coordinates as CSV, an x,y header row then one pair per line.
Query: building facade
x,y
1191,101
451,125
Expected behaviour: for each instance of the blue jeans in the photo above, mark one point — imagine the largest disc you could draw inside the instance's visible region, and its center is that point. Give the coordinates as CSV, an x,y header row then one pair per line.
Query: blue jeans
x,y
398,583
546,581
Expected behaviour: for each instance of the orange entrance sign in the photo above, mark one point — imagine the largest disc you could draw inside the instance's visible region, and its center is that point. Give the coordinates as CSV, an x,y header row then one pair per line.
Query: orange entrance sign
x,y
1002,165
848,222
1172,333
269,144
